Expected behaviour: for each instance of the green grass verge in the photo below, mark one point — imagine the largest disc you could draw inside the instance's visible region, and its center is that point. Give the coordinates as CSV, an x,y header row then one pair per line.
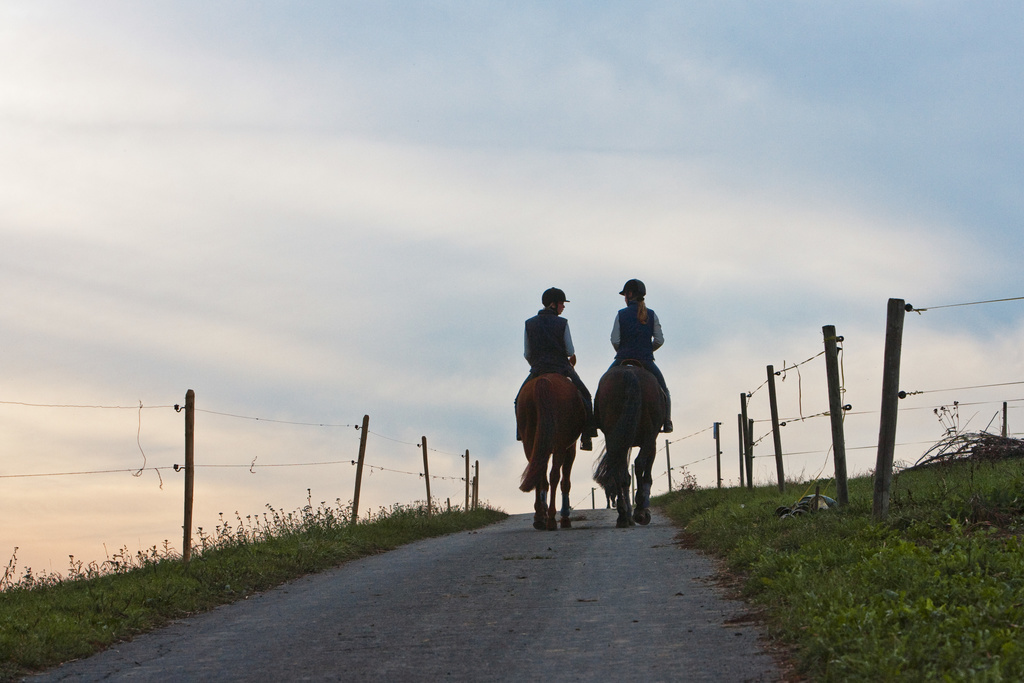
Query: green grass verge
x,y
51,619
933,592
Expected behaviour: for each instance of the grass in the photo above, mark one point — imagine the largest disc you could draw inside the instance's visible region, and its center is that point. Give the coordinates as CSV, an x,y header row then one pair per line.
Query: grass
x,y
48,619
933,592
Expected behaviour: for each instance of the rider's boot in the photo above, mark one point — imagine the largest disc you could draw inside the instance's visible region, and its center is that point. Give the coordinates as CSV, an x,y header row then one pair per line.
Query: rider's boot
x,y
586,444
667,428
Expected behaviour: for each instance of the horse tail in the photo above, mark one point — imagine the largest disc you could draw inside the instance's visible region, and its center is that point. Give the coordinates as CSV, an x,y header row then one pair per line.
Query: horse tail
x,y
623,434
544,439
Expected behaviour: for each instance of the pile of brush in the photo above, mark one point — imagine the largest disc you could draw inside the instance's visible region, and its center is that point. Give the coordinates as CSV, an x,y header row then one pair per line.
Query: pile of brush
x,y
971,446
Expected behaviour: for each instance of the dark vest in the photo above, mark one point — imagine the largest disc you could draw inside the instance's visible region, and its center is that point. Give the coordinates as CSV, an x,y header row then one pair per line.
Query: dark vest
x,y
546,333
635,340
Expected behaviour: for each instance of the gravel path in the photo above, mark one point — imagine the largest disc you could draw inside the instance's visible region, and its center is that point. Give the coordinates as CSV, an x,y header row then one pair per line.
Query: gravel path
x,y
505,603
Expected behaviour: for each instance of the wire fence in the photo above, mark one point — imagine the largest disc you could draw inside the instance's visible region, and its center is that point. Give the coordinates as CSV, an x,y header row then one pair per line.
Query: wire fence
x,y
804,415
763,432
254,451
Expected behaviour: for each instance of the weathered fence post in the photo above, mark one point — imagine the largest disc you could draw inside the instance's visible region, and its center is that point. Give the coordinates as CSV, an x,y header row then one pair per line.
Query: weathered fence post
x,y
718,454
467,480
835,411
593,500
476,484
890,406
668,465
426,472
776,435
1005,432
747,441
750,453
743,446
190,469
359,467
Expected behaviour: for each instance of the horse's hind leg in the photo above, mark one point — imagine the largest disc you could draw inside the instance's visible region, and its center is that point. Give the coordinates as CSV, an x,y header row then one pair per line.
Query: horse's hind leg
x,y
625,518
556,472
564,521
644,464
540,508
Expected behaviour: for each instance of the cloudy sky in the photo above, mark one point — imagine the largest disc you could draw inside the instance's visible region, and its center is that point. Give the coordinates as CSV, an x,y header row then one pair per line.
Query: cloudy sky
x,y
308,212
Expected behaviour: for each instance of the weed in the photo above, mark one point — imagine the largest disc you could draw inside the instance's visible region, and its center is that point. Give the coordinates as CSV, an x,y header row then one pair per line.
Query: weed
x,y
49,618
934,592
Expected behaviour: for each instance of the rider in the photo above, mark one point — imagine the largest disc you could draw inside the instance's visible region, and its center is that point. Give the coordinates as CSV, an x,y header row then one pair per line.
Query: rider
x,y
636,335
548,348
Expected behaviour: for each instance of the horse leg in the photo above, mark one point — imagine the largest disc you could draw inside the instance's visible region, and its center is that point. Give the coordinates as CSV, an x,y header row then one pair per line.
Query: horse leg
x,y
566,486
540,506
644,464
623,506
556,473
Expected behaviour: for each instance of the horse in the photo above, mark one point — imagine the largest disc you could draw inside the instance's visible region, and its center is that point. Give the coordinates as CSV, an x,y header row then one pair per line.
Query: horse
x,y
630,408
550,417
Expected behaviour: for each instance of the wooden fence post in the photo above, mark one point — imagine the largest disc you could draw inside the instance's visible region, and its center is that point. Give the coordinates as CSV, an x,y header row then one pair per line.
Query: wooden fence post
x,y
743,446
835,411
593,500
776,435
476,483
890,406
747,440
363,431
750,453
1005,432
190,470
467,481
668,465
426,473
718,454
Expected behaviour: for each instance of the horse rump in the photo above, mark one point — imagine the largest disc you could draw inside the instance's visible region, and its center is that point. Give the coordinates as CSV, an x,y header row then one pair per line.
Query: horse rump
x,y
540,443
621,399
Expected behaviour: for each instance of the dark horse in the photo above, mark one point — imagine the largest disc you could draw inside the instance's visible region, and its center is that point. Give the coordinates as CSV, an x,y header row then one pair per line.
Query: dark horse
x,y
630,407
550,416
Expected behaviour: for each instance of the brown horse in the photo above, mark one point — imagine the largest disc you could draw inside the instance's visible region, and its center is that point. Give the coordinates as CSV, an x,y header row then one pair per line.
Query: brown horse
x,y
630,407
550,417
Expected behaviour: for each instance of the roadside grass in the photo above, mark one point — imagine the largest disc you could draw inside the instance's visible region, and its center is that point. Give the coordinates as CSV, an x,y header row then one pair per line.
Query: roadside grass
x,y
933,592
49,619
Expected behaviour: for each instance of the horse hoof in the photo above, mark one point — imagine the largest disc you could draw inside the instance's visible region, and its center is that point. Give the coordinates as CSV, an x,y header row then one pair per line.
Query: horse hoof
x,y
642,517
565,523
539,525
552,525
622,523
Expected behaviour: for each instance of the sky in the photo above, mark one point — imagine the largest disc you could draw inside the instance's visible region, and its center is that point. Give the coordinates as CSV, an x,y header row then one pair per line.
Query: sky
x,y
308,212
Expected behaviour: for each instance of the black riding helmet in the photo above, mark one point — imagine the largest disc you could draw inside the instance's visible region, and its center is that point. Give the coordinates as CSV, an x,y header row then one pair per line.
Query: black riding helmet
x,y
553,295
634,287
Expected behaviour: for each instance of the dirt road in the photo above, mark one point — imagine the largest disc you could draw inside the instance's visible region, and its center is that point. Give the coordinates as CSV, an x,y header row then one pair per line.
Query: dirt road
x,y
505,603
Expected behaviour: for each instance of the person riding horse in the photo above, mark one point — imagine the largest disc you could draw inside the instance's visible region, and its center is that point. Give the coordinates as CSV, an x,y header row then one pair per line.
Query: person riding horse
x,y
548,348
636,335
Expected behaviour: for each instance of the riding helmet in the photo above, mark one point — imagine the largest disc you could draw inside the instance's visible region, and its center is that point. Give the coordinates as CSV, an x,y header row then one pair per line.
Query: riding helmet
x,y
634,287
553,295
